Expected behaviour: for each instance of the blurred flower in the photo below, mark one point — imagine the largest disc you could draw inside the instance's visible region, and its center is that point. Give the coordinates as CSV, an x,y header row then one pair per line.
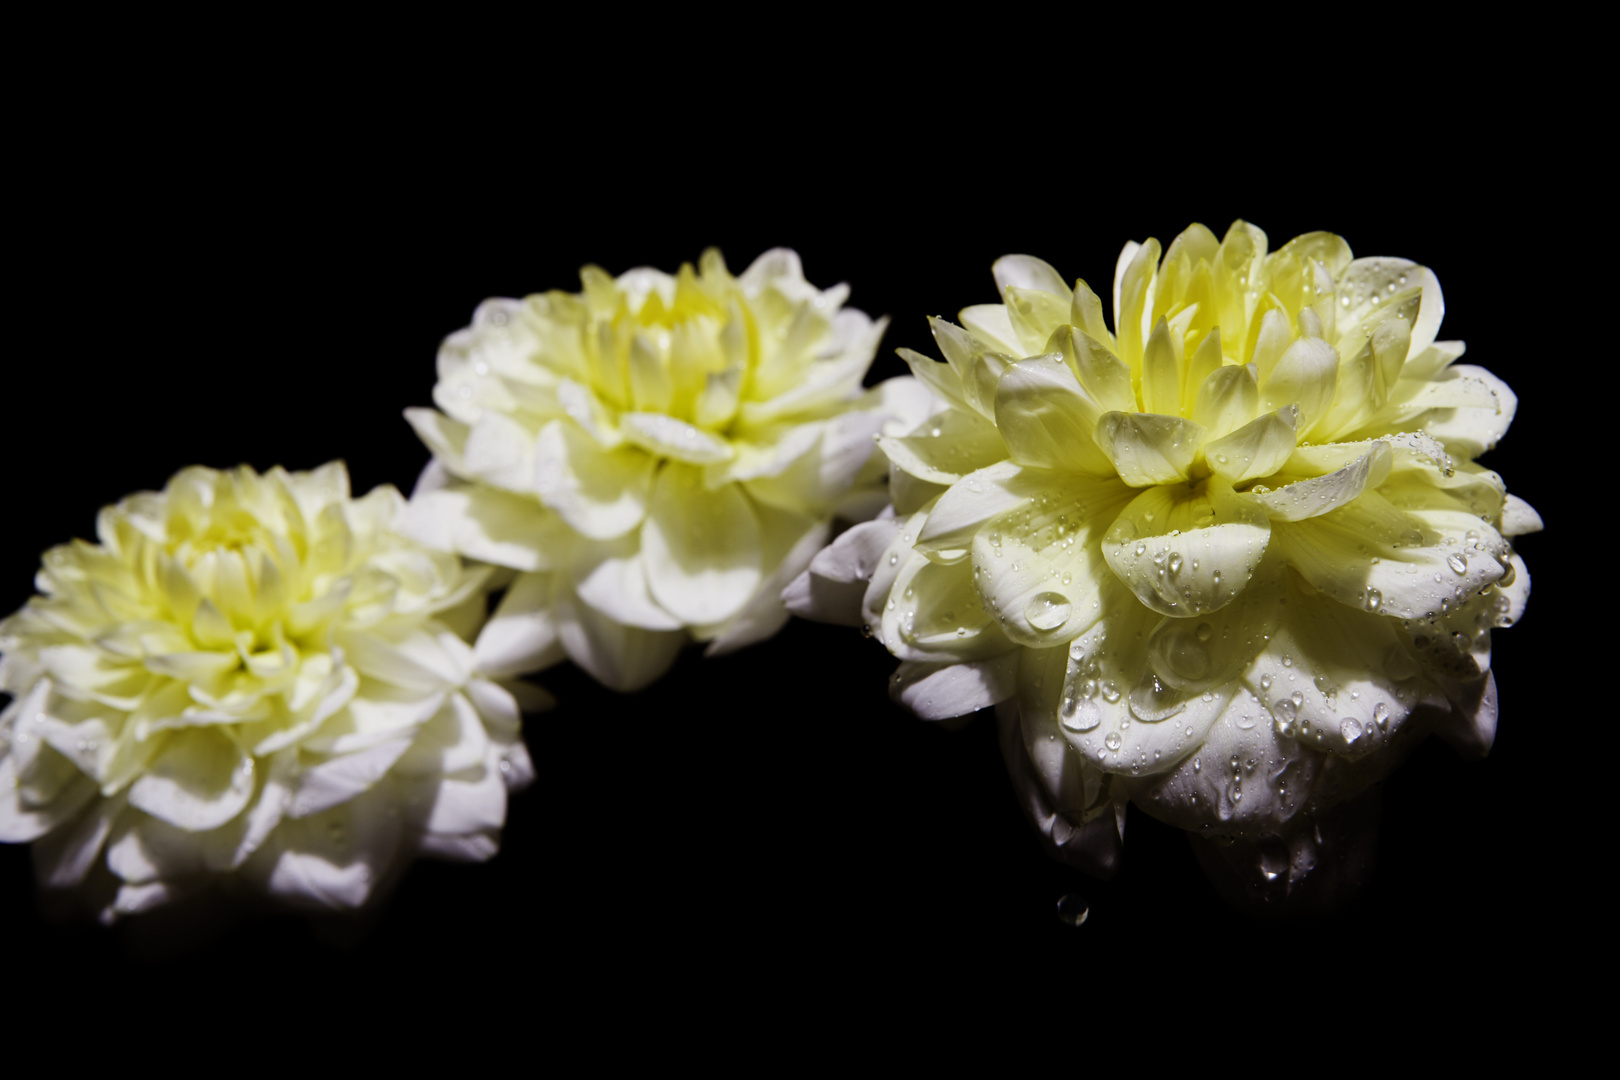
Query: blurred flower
x,y
657,456
255,681
1226,561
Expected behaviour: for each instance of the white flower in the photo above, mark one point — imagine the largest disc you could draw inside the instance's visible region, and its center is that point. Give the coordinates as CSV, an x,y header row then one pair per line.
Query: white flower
x,y
658,456
1228,561
253,681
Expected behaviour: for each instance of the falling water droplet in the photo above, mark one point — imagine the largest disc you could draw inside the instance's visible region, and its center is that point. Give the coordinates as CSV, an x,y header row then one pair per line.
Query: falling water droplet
x,y
1072,909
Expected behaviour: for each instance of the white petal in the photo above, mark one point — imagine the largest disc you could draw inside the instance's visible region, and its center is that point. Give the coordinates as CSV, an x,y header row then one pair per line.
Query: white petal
x,y
946,447
665,436
522,634
1028,272
702,548
332,860
788,541
992,326
1519,517
620,657
1147,448
831,588
1304,377
1038,567
1186,551
970,502
452,741
1256,449
483,523
1371,555
1228,398
64,857
1047,420
465,806
612,578
336,780
1486,409
933,613
499,451
199,781
1311,498
601,494
941,691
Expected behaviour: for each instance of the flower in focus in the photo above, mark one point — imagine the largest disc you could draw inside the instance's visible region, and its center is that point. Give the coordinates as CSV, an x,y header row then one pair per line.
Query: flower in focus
x,y
656,456
253,681
1227,560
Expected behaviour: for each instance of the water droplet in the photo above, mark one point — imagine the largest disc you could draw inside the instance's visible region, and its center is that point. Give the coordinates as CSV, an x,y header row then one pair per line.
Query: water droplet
x,y
1217,577
1072,909
1297,698
1048,611
894,557
1457,562
1152,701
1265,683
1113,741
1141,549
1283,710
1375,599
1110,692
1381,715
1349,729
866,630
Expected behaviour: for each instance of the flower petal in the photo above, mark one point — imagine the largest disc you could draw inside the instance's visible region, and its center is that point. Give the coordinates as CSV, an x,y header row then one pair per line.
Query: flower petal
x,y
1037,567
522,634
941,691
486,524
831,588
1147,448
600,493
1304,377
1228,398
1256,449
947,536
612,578
946,447
788,542
200,780
1370,555
934,614
1046,420
1186,551
1323,494
622,658
701,547
665,436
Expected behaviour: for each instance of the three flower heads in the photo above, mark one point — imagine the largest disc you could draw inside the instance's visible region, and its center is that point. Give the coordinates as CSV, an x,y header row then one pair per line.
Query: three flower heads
x,y
1227,560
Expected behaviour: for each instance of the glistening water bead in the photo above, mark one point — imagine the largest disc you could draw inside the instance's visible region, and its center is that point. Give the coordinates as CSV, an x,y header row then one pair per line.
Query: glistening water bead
x,y
1072,909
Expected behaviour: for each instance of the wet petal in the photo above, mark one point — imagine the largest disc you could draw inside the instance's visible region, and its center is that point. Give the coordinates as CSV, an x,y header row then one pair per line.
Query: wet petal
x,y
1186,551
1046,419
1147,448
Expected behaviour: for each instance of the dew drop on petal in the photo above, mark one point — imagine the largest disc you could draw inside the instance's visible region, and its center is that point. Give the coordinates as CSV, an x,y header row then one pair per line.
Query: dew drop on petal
x,y
1048,611
1375,599
1349,729
1113,741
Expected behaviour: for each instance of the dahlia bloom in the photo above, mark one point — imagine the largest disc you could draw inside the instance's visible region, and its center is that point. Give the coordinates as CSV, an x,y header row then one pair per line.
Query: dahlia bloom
x,y
657,456
256,682
1227,560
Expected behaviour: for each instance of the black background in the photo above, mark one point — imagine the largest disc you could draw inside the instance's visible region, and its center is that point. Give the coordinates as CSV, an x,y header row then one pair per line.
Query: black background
x,y
243,280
